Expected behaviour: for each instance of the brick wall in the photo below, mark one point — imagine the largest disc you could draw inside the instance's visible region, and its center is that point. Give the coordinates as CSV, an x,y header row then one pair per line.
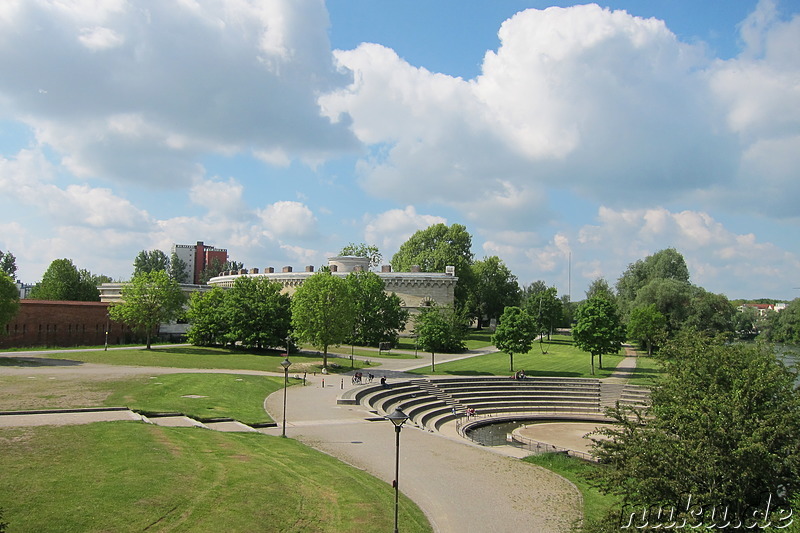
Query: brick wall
x,y
51,323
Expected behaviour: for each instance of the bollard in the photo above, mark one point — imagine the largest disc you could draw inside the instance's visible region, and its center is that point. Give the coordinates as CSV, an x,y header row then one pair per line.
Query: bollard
x,y
342,382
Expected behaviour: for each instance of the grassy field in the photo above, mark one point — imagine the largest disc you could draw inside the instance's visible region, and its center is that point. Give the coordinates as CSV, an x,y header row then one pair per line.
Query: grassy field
x,y
201,396
562,358
595,503
182,356
127,476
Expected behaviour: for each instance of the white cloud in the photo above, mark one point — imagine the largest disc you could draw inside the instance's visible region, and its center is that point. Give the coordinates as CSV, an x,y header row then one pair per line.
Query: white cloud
x,y
390,229
289,220
126,92
578,98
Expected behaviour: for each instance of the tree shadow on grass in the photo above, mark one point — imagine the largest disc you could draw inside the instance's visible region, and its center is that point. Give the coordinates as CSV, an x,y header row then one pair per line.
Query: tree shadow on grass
x,y
36,362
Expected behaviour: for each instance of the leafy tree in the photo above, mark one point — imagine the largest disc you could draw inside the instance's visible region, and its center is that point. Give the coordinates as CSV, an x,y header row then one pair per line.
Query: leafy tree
x,y
63,281
747,323
377,316
440,329
150,261
150,299
545,309
599,330
515,333
178,269
8,263
9,299
322,312
664,264
600,286
648,326
495,288
209,322
363,250
671,297
722,427
785,325
568,309
258,314
435,248
709,313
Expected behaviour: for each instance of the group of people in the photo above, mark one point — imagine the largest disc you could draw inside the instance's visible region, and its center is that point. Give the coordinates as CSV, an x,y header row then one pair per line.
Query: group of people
x,y
358,378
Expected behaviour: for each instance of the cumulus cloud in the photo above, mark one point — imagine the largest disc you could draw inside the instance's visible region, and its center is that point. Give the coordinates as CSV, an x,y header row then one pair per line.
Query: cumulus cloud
x,y
127,91
582,98
390,229
289,220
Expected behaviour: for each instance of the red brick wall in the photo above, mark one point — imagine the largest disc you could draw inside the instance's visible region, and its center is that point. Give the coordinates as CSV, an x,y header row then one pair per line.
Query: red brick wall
x,y
51,323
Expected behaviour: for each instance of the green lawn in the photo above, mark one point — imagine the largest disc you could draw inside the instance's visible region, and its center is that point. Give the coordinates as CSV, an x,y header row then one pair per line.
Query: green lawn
x,y
201,396
647,371
220,395
181,356
128,476
595,503
562,358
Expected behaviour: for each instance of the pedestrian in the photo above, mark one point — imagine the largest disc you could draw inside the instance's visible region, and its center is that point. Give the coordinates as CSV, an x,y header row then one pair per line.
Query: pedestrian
x,y
383,381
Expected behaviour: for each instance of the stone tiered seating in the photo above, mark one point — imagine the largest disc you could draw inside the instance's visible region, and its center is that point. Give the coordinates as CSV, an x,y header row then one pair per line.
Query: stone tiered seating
x,y
432,402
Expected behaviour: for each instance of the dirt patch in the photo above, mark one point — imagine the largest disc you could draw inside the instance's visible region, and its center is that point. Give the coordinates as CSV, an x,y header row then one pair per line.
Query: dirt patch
x,y
19,393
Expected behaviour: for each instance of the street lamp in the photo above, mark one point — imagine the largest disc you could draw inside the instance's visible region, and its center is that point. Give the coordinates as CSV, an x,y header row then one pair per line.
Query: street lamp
x,y
398,418
285,364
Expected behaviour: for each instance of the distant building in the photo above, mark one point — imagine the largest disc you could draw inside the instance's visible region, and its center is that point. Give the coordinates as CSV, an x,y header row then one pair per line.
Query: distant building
x,y
197,257
763,309
63,323
416,289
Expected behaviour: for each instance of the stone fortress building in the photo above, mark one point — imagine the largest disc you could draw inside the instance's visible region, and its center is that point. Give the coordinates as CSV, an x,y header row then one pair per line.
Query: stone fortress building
x,y
416,289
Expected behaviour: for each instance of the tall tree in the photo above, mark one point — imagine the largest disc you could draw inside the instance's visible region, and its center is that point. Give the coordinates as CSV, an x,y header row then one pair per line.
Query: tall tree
x,y
178,269
150,299
712,314
9,299
209,322
322,312
440,329
437,247
63,281
257,313
495,289
664,264
722,428
515,333
647,326
671,297
377,316
150,261
599,330
370,251
8,263
600,286
545,309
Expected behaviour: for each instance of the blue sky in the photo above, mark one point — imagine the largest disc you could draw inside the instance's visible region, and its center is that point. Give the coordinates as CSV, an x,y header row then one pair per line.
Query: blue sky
x,y
559,134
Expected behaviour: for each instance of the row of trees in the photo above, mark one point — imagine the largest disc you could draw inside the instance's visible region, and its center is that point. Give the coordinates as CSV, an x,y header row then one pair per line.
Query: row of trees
x,y
325,310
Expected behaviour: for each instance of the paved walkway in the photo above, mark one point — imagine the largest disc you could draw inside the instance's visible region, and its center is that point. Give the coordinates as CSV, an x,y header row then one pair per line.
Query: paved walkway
x,y
460,486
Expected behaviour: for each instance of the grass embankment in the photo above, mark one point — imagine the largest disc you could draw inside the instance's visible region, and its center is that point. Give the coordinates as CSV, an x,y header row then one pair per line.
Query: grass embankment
x,y
127,476
182,356
200,396
595,503
557,357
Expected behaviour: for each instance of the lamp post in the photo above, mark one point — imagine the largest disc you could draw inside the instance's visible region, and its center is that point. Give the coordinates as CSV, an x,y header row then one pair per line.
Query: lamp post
x,y
398,418
285,364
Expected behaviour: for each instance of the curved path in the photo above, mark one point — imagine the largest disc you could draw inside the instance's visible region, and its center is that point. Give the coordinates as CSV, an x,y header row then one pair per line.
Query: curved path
x,y
459,486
